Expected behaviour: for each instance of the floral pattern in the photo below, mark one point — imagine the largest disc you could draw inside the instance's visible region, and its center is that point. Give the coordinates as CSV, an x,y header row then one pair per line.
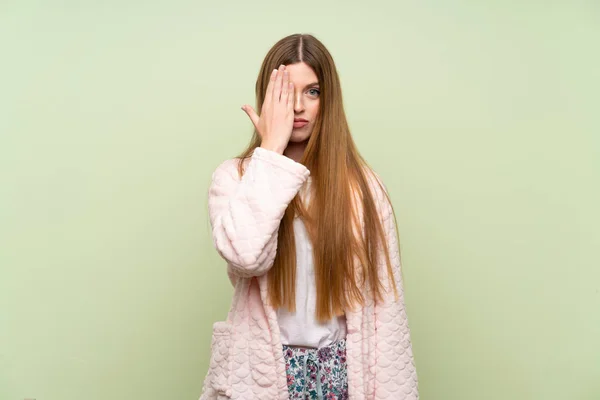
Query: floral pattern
x,y
317,373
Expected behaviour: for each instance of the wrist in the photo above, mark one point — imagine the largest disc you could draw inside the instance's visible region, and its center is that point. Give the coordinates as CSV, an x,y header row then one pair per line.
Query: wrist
x,y
272,147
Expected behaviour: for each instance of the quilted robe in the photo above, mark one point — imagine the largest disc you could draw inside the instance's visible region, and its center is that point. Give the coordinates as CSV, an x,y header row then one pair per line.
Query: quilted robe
x,y
247,360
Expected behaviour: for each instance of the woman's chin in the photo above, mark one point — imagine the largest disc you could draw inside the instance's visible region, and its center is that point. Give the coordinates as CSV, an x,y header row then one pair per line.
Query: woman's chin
x,y
299,136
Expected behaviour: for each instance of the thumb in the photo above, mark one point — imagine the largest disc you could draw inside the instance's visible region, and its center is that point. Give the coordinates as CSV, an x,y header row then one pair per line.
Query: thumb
x,y
252,114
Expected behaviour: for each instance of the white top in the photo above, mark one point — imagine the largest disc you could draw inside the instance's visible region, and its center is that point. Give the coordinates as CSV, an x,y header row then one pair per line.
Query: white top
x,y
301,328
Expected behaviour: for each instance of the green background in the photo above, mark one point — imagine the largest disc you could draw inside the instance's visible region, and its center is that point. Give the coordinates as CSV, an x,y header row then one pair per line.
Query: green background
x,y
481,117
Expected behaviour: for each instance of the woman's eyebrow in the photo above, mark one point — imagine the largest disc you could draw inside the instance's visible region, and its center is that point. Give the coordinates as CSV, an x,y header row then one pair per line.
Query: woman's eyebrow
x,y
311,84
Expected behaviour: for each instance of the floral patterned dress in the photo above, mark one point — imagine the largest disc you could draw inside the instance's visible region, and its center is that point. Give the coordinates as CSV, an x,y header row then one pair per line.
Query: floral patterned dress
x,y
317,373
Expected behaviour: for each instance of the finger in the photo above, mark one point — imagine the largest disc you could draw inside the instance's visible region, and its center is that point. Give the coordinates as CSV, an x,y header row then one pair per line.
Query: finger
x,y
285,86
277,85
290,100
252,114
270,85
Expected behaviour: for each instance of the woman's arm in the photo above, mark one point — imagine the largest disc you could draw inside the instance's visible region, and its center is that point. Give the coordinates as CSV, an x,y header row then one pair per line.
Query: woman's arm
x,y
395,374
245,213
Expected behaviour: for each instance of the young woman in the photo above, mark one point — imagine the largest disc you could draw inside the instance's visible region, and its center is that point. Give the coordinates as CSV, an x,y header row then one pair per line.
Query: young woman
x,y
310,239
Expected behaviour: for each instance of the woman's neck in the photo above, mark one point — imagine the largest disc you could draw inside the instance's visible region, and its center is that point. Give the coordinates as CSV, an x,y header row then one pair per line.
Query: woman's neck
x,y
295,150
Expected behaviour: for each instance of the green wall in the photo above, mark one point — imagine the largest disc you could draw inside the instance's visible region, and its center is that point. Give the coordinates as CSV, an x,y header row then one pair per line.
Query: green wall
x,y
481,117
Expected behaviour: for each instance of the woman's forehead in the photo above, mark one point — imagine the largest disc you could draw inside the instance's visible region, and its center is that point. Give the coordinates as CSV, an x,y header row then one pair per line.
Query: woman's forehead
x,y
301,74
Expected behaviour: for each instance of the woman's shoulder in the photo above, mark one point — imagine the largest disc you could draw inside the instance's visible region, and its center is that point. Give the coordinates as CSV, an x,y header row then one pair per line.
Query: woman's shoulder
x,y
379,191
376,184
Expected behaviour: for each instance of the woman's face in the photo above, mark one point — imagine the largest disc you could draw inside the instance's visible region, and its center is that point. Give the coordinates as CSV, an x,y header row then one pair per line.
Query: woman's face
x,y
306,100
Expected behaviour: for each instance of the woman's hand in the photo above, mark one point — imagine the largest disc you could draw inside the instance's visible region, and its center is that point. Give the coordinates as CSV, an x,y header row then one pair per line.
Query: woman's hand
x,y
276,121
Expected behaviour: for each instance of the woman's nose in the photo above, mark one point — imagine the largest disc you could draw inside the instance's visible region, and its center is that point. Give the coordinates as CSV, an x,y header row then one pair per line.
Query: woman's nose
x,y
298,105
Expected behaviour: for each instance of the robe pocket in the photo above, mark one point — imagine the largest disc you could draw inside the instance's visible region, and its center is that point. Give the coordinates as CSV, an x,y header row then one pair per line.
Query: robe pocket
x,y
220,359
262,362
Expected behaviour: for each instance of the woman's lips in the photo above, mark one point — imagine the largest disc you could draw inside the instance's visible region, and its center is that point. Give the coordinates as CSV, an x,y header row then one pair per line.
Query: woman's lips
x,y
300,124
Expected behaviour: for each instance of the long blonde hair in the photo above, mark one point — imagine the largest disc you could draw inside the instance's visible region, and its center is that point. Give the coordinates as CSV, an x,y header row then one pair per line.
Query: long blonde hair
x,y
338,175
